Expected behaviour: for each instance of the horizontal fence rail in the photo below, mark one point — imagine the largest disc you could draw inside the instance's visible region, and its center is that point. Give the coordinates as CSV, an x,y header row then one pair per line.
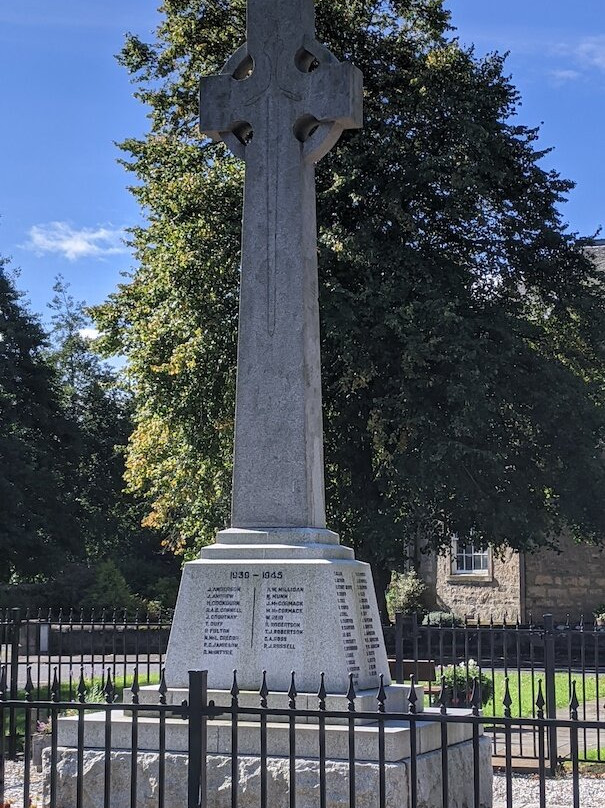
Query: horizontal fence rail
x,y
199,714
552,654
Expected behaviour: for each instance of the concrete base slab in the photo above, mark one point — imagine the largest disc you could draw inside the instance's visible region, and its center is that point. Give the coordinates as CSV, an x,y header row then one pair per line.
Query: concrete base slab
x,y
397,700
396,735
337,772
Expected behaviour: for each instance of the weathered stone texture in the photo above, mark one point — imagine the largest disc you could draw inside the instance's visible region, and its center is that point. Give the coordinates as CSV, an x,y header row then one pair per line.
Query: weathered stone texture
x,y
497,592
572,581
460,767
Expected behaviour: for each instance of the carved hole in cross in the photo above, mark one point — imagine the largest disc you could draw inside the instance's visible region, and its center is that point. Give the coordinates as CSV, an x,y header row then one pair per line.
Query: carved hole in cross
x,y
305,61
243,132
244,69
305,127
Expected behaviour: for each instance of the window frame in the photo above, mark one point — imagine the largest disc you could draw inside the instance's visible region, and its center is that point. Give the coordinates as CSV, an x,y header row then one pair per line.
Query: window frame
x,y
483,572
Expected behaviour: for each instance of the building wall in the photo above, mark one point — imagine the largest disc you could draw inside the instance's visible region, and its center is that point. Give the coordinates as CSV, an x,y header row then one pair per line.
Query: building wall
x,y
571,582
497,593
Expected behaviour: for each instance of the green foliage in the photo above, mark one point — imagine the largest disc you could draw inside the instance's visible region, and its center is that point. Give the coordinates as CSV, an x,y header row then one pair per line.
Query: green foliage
x,y
405,594
441,619
461,324
109,588
38,520
458,681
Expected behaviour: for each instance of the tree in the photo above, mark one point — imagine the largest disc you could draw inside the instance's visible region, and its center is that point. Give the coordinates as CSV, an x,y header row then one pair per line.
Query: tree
x,y
100,409
39,515
461,323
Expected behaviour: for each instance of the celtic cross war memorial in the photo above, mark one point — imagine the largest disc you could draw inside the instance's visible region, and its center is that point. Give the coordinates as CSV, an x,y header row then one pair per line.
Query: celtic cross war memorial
x,y
277,591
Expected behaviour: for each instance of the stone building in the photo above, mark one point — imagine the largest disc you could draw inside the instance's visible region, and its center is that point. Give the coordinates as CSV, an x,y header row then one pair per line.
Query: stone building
x,y
479,583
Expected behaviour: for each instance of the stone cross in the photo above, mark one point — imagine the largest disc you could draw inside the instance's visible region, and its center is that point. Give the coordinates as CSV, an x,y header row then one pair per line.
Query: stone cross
x,y
280,103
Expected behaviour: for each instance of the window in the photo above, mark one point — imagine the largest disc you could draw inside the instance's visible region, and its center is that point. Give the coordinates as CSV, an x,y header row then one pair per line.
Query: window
x,y
468,559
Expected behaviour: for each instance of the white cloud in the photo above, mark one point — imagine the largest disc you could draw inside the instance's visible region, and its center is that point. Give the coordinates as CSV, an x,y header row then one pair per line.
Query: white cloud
x,y
591,52
565,75
89,333
86,242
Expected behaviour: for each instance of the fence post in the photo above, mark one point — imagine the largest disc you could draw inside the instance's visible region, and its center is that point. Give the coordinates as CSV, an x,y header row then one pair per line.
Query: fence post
x,y
550,688
197,747
14,680
399,647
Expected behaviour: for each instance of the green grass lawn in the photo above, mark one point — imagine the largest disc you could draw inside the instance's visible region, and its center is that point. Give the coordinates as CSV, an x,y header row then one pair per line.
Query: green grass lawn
x,y
524,697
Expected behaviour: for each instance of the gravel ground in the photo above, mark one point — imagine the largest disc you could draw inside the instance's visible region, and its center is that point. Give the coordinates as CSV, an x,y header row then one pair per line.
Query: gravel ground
x,y
525,790
526,793
13,785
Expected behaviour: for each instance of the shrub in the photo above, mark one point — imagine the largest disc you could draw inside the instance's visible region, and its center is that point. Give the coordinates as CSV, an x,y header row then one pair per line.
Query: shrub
x,y
110,589
462,676
441,619
404,593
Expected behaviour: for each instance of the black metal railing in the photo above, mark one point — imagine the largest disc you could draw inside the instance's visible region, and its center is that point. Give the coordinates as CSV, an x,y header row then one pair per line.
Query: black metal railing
x,y
554,654
525,654
69,642
126,764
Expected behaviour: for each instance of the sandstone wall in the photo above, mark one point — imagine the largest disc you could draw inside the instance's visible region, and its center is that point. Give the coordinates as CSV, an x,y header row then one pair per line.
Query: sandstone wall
x,y
497,592
571,582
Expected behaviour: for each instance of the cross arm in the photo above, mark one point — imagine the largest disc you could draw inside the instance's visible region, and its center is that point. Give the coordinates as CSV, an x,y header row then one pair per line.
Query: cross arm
x,y
221,102
335,102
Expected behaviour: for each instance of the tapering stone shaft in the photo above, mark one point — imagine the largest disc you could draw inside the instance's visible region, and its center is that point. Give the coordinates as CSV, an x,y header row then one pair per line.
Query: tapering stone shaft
x,y
280,103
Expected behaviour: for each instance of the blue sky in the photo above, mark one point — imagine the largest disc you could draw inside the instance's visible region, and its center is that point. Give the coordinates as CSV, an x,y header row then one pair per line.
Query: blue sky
x,y
63,198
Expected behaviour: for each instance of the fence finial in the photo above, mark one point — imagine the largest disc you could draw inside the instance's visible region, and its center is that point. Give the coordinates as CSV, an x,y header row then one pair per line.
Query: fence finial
x,y
321,693
292,694
55,688
507,700
381,696
412,695
540,700
264,691
29,685
81,690
234,689
574,703
351,695
163,688
109,689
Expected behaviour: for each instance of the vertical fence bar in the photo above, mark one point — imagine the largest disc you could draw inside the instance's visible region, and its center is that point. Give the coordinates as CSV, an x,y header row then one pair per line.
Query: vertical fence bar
x,y
507,701
573,737
263,693
109,698
163,690
550,687
292,694
198,702
321,695
351,709
399,646
381,698
134,739
541,756
80,763
234,741
413,743
476,704
14,680
27,733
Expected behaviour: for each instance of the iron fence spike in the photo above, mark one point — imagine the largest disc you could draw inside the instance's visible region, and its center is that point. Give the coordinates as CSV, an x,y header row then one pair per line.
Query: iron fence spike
x,y
264,690
163,687
81,686
321,693
292,694
234,688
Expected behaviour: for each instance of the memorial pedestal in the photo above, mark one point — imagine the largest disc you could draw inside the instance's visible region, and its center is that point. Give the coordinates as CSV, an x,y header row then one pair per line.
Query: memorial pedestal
x,y
280,600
